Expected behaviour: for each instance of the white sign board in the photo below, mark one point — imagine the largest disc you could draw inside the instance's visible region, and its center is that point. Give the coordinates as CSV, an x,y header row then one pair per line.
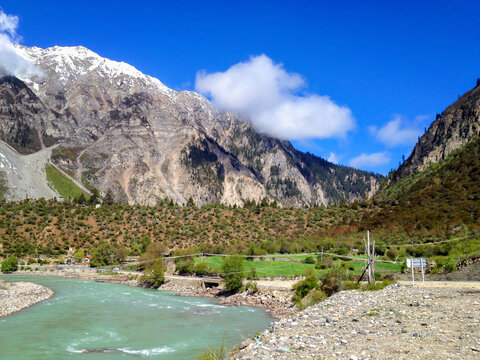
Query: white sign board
x,y
417,263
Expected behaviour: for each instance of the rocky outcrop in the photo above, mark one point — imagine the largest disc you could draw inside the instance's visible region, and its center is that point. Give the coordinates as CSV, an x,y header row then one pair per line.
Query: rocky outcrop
x,y
126,133
25,122
456,126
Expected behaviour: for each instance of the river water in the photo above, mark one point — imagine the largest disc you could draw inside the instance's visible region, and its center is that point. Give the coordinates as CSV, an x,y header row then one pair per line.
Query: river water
x,y
120,322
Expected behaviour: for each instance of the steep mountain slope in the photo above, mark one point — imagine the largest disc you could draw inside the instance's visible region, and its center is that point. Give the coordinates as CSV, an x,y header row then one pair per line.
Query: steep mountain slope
x,y
25,122
126,133
456,126
443,200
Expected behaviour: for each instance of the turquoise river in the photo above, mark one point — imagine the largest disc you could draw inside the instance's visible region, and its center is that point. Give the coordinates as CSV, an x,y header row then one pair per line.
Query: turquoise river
x,y
90,320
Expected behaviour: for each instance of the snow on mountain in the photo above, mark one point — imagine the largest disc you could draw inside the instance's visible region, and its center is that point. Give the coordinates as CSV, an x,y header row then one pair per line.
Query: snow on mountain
x,y
73,63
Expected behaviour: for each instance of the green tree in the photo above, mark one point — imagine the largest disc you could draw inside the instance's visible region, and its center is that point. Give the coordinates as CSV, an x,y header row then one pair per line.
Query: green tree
x,y
233,272
81,199
101,255
10,264
79,255
146,241
121,254
153,273
94,197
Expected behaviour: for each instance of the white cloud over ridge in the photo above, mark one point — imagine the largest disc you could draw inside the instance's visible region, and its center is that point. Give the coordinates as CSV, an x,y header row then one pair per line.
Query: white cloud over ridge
x,y
395,133
333,158
11,63
267,95
370,160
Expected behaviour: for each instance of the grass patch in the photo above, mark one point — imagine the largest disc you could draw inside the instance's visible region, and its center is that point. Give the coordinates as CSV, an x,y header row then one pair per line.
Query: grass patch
x,y
287,268
263,268
62,184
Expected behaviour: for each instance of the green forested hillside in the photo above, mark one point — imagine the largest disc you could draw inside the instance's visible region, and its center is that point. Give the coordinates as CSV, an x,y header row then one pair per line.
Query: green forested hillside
x,y
439,202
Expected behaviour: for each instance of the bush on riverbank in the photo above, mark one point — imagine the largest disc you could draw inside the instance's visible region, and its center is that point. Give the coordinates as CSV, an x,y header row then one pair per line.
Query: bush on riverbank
x,y
153,274
10,264
233,273
308,291
333,280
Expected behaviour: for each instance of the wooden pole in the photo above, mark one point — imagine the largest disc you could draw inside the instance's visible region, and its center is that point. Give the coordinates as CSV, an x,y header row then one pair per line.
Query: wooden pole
x,y
373,262
369,257
413,276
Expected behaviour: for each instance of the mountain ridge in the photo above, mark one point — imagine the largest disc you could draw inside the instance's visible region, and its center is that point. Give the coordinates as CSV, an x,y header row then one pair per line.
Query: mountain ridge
x,y
126,133
456,126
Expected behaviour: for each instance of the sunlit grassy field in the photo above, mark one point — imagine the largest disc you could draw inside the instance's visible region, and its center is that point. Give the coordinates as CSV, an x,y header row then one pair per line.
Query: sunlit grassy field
x,y
291,268
64,186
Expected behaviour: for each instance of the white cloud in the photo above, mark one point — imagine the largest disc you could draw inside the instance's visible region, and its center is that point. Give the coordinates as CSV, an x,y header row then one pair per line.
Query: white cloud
x,y
370,160
10,61
396,133
8,23
333,158
267,95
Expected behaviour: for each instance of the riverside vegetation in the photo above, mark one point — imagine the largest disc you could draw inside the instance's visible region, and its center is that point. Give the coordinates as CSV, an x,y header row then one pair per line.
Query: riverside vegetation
x,y
435,214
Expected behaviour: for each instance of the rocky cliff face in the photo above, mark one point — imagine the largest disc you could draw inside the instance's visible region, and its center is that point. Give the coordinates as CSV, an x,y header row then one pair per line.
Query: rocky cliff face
x,y
125,132
456,126
25,122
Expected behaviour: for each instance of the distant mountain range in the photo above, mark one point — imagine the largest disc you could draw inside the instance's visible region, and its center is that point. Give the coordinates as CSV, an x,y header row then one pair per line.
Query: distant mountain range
x,y
112,128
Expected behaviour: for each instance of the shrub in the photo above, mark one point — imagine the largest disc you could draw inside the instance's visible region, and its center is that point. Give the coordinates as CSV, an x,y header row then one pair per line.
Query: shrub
x,y
309,260
252,274
202,269
342,251
10,264
153,274
312,298
185,267
251,287
332,280
444,264
307,291
233,268
392,253
303,287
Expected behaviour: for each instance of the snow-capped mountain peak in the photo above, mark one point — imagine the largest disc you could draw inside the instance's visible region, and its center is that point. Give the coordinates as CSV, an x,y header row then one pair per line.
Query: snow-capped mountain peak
x,y
73,63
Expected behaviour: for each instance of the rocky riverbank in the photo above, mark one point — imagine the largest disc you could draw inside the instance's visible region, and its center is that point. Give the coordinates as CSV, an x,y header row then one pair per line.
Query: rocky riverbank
x,y
399,322
20,295
277,302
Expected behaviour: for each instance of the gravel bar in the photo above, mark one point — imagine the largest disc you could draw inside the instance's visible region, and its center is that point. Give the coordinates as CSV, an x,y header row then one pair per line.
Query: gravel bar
x,y
20,295
399,322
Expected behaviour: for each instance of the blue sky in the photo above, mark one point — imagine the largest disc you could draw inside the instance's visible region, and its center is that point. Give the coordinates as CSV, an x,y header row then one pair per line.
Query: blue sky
x,y
392,65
